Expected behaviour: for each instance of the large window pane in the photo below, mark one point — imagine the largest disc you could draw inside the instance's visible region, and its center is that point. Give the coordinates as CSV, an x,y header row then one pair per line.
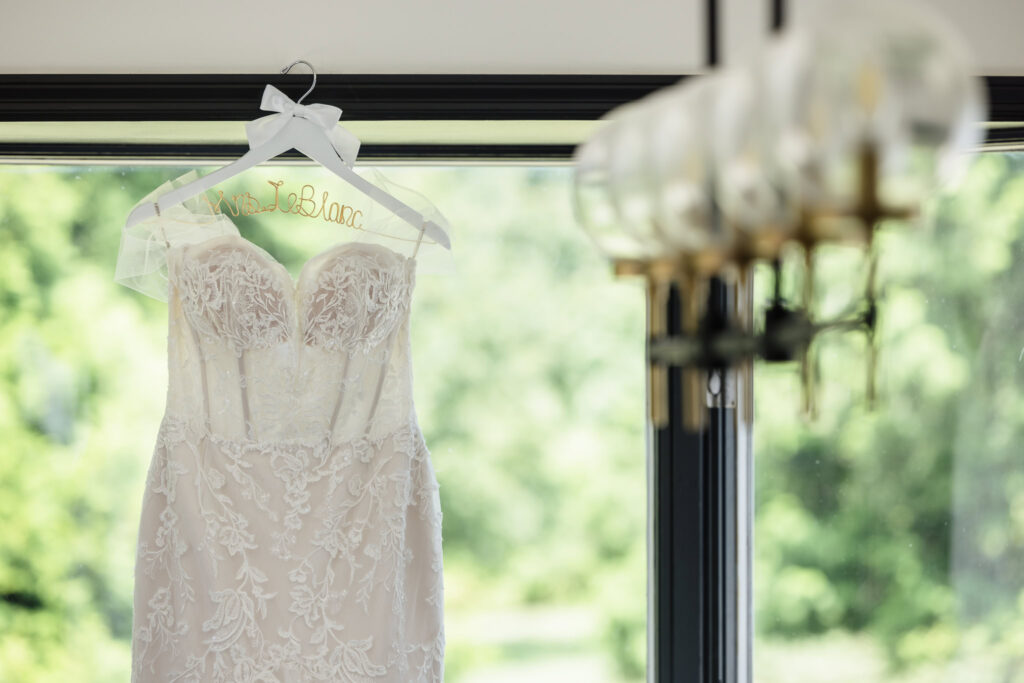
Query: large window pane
x,y
889,545
529,377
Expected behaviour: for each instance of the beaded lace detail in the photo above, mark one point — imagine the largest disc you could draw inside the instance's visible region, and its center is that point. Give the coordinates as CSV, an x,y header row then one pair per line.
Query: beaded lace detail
x,y
235,301
355,305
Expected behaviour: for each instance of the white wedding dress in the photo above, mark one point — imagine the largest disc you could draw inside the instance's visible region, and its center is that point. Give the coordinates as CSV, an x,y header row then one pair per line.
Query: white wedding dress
x,y
291,519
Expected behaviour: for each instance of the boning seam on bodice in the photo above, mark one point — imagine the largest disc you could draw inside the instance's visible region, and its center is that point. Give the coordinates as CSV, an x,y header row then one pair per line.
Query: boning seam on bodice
x,y
202,374
244,390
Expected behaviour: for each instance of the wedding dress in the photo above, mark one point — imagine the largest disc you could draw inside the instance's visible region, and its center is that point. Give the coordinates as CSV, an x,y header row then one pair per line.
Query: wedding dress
x,y
291,519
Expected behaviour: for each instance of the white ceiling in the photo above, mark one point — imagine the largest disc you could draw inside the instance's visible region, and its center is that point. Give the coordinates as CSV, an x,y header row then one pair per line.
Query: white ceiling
x,y
443,36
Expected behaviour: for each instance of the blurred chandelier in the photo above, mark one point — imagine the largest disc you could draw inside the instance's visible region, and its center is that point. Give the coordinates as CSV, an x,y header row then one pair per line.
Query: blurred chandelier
x,y
848,118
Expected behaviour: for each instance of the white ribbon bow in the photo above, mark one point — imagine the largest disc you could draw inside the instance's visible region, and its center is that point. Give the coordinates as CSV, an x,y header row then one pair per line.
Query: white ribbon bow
x,y
323,115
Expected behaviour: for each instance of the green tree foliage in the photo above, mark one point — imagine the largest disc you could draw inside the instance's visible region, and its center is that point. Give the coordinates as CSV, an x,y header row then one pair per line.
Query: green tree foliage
x,y
905,522
529,384
72,355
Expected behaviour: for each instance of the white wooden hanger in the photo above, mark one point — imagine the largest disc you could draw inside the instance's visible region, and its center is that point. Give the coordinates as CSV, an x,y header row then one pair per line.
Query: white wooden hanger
x,y
313,131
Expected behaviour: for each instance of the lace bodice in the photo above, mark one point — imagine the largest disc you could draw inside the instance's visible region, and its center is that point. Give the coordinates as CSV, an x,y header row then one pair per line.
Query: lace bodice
x,y
284,355
291,522
233,294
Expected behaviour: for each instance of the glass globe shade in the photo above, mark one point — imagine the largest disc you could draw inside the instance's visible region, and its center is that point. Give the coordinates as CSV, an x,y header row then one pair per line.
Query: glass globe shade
x,y
750,191
679,129
892,74
592,200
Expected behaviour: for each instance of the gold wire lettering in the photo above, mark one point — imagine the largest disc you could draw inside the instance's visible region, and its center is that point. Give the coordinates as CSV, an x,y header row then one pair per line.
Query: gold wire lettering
x,y
303,204
277,188
304,199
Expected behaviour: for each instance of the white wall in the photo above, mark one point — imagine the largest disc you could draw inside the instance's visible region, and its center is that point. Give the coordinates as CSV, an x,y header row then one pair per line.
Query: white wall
x,y
441,36
351,36
992,28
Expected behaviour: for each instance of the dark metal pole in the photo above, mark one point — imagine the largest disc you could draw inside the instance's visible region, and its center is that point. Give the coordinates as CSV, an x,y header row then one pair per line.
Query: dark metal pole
x,y
697,530
711,40
778,14
696,503
678,531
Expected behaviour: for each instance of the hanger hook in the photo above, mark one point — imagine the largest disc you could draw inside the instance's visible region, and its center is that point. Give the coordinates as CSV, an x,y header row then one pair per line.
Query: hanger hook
x,y
303,61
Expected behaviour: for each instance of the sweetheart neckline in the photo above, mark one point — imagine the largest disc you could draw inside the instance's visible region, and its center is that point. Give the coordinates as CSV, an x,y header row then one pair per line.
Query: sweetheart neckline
x,y
295,282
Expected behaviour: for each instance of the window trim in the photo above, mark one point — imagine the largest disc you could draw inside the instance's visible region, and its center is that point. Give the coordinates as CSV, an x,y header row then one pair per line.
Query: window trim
x,y
385,97
362,97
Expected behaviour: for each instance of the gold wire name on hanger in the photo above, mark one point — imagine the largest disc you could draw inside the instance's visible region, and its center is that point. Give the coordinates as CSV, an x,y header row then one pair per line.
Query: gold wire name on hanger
x,y
303,204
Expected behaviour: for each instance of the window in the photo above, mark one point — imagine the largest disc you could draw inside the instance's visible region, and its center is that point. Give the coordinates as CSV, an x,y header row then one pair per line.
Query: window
x,y
528,367
889,544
